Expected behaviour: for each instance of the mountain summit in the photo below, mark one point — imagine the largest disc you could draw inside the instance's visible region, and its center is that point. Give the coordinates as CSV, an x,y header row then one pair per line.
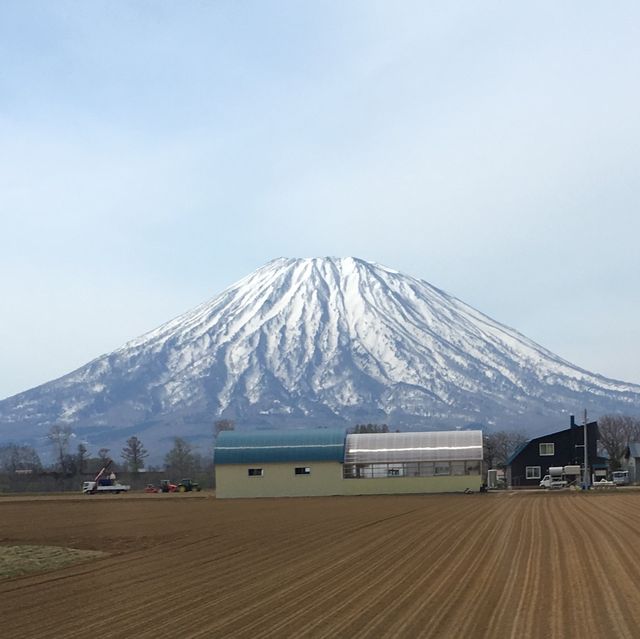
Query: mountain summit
x,y
318,341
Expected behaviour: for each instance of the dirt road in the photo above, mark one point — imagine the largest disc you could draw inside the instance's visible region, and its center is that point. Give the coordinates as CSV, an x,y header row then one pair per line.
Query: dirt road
x,y
508,565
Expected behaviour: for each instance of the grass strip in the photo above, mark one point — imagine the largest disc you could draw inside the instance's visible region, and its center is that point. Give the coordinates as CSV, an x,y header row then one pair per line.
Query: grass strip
x,y
23,560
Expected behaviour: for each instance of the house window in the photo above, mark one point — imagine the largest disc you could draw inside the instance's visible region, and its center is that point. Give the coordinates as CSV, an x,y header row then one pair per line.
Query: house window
x,y
255,472
547,450
533,472
303,470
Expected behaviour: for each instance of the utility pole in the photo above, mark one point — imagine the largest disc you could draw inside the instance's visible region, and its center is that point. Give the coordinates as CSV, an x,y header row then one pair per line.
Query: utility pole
x,y
585,479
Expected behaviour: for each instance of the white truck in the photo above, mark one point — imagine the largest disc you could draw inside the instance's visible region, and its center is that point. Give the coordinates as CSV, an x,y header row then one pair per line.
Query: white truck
x,y
620,477
549,481
557,477
93,487
103,483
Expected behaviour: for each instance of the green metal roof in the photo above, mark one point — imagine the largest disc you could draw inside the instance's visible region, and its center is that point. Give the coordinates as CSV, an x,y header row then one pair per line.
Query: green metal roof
x,y
273,446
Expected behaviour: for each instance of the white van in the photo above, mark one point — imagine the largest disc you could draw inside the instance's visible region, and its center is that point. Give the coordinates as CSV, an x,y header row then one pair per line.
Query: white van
x,y
620,477
553,482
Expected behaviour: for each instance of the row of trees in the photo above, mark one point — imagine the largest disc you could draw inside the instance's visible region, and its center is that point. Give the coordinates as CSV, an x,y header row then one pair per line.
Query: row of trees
x,y
73,463
182,460
15,458
616,432
370,428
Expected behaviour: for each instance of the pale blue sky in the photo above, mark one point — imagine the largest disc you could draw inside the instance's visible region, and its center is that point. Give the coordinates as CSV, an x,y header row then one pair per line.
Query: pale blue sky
x,y
152,153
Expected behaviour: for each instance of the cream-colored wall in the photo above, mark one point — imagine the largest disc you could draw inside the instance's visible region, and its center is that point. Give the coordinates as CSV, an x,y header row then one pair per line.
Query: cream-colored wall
x,y
399,485
279,480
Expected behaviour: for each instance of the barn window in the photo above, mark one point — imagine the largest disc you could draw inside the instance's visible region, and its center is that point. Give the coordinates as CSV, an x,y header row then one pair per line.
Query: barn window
x,y
548,449
472,468
457,468
303,470
412,469
533,472
427,469
255,472
442,468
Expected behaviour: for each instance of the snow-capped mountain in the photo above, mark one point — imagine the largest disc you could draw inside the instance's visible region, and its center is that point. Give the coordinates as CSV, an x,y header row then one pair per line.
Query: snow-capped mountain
x,y
320,341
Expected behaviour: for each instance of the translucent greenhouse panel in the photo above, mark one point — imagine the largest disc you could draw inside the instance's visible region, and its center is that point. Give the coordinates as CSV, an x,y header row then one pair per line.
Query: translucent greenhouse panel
x,y
414,446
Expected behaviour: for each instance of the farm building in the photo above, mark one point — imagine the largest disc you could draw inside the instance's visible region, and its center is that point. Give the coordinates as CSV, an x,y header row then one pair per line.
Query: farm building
x,y
327,462
631,461
284,463
531,462
415,462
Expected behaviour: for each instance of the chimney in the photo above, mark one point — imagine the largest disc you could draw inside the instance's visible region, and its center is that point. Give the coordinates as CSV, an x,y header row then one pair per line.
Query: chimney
x,y
573,421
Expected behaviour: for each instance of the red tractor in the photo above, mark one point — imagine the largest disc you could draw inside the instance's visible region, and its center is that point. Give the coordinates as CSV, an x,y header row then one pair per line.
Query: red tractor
x,y
167,487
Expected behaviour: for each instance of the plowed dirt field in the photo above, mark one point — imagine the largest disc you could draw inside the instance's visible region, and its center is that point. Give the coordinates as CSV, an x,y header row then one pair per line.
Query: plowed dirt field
x,y
181,566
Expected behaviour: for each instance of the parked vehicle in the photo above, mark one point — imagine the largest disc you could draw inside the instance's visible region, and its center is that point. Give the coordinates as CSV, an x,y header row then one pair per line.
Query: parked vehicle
x,y
103,483
620,477
187,485
150,488
549,481
167,487
91,488
561,476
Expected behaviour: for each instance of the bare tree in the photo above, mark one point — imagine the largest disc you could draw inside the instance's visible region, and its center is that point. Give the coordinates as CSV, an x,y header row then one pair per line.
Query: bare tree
x,y
616,432
181,460
499,446
371,428
103,455
134,454
59,437
635,431
222,425
81,457
14,457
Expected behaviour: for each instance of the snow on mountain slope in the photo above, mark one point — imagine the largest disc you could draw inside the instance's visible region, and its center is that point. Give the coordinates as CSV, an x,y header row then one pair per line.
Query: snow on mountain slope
x,y
318,341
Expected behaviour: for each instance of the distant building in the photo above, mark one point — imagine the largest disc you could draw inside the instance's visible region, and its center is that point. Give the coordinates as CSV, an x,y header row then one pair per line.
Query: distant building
x,y
290,463
631,462
531,462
